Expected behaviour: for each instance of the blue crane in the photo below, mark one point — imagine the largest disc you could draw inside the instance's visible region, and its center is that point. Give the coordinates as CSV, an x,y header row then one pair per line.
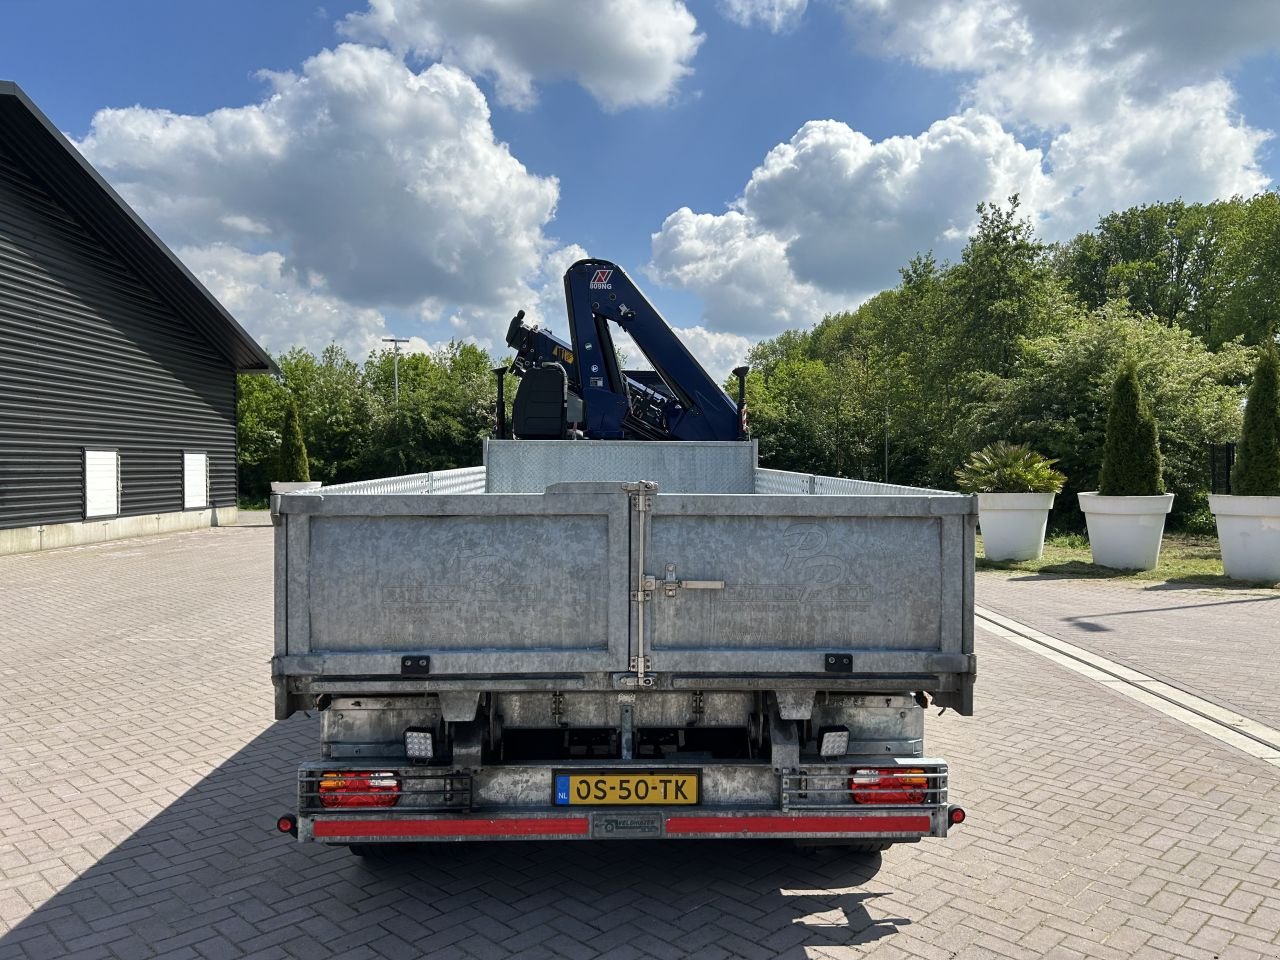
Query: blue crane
x,y
676,400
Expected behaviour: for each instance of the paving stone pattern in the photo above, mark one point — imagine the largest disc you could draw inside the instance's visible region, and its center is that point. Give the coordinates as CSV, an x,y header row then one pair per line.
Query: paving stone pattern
x,y
1223,645
141,773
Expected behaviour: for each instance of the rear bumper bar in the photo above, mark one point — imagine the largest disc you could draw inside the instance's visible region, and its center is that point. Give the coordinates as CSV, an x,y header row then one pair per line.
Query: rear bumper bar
x,y
629,824
517,803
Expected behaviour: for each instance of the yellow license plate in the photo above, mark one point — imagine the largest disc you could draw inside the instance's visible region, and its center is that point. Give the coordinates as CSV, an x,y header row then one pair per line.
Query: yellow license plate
x,y
627,789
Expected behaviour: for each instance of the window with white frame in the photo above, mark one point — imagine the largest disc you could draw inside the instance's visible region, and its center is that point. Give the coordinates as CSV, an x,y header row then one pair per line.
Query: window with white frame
x,y
101,483
195,480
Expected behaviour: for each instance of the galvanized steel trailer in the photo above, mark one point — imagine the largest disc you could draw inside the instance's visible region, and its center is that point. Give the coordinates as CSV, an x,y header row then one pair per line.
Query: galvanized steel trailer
x,y
623,639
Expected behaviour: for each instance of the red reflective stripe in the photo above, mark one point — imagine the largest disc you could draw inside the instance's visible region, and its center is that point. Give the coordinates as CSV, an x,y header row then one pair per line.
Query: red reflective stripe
x,y
548,827
913,824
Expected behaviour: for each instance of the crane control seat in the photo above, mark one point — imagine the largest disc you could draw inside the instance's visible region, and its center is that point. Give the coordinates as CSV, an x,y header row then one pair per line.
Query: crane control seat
x,y
540,410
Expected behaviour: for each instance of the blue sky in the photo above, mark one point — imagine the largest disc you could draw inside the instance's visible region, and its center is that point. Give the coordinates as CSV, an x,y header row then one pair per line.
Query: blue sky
x,y
425,168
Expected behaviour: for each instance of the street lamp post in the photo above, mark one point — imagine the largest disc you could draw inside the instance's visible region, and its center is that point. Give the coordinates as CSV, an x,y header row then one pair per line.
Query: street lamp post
x,y
395,362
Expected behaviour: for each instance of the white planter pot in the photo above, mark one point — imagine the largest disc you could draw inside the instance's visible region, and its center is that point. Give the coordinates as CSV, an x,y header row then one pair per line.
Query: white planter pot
x,y
1248,535
1013,524
1125,532
293,486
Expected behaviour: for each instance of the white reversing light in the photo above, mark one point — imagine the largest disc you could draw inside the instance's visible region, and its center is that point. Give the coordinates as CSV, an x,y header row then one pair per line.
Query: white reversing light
x,y
835,741
419,744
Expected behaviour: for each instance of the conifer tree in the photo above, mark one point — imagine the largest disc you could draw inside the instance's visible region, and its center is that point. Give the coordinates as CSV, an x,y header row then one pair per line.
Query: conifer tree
x,y
1131,465
293,451
1257,470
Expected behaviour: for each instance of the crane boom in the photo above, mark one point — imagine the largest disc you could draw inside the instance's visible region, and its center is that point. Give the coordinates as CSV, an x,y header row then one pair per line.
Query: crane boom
x,y
676,400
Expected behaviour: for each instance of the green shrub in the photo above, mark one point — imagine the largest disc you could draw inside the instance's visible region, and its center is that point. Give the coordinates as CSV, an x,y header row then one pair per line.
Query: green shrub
x,y
1131,465
1069,541
1199,521
293,452
1004,467
1257,470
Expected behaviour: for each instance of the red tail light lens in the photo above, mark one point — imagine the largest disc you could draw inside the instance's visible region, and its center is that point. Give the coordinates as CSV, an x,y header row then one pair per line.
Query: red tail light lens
x,y
889,785
358,788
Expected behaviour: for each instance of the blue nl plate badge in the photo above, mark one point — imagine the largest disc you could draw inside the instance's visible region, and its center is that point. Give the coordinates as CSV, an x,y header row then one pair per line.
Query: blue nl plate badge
x,y
562,789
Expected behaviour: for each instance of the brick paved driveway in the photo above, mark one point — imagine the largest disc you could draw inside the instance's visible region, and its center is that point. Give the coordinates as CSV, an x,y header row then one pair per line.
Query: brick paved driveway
x,y
140,774
1223,645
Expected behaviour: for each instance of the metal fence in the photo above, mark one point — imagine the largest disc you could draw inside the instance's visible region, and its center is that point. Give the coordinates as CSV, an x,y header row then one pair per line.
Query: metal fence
x,y
1222,458
783,482
786,482
461,480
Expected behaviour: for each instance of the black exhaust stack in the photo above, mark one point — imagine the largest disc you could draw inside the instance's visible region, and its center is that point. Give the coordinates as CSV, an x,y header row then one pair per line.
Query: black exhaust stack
x,y
741,374
500,421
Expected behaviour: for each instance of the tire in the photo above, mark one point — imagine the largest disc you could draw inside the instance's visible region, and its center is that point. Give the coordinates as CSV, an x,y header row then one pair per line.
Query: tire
x,y
845,846
867,846
367,850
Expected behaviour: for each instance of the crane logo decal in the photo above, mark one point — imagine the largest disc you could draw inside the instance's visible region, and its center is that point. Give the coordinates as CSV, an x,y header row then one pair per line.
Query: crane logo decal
x,y
601,280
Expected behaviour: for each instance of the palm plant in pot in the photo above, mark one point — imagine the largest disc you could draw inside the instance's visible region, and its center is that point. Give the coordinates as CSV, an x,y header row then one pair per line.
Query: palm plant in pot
x,y
295,470
1125,515
1249,518
1015,488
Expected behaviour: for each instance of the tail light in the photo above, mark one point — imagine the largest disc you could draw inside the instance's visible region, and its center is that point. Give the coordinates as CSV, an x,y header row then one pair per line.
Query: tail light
x,y
888,785
358,788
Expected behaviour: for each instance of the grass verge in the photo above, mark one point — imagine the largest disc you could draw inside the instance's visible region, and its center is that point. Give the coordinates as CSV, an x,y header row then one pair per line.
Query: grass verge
x,y
1185,558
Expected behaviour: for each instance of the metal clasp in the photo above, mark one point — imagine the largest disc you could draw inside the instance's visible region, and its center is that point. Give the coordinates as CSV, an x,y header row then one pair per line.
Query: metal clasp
x,y
670,583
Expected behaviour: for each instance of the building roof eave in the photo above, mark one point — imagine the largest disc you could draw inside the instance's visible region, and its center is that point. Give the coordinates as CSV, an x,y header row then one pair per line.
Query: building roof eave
x,y
87,194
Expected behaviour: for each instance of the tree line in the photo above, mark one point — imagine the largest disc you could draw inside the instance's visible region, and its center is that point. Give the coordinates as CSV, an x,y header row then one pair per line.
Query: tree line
x,y
354,427
1020,340
1017,340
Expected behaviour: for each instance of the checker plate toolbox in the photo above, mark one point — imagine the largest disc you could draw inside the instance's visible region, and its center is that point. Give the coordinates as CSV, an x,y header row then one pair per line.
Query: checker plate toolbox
x,y
687,644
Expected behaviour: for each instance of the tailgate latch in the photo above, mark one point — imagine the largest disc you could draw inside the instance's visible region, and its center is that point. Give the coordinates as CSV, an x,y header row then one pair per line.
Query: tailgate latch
x,y
670,583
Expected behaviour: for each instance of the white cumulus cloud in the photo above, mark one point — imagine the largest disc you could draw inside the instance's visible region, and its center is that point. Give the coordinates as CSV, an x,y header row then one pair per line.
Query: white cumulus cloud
x,y
1128,94
359,177
718,352
282,310
852,211
1081,108
830,215
625,53
777,16
1144,48
739,269
1189,144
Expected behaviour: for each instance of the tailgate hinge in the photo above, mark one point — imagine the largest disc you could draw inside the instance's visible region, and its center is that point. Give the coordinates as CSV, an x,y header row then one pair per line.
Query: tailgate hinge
x,y
641,495
647,585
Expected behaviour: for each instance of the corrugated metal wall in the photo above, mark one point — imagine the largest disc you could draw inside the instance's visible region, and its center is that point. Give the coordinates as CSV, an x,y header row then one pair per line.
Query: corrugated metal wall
x,y
89,356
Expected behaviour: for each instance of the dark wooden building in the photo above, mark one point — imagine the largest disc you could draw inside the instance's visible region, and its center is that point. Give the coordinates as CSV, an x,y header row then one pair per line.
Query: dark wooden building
x,y
117,367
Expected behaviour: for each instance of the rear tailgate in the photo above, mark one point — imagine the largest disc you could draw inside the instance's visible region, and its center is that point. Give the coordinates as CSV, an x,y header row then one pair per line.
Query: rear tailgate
x,y
395,593
460,584
783,584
